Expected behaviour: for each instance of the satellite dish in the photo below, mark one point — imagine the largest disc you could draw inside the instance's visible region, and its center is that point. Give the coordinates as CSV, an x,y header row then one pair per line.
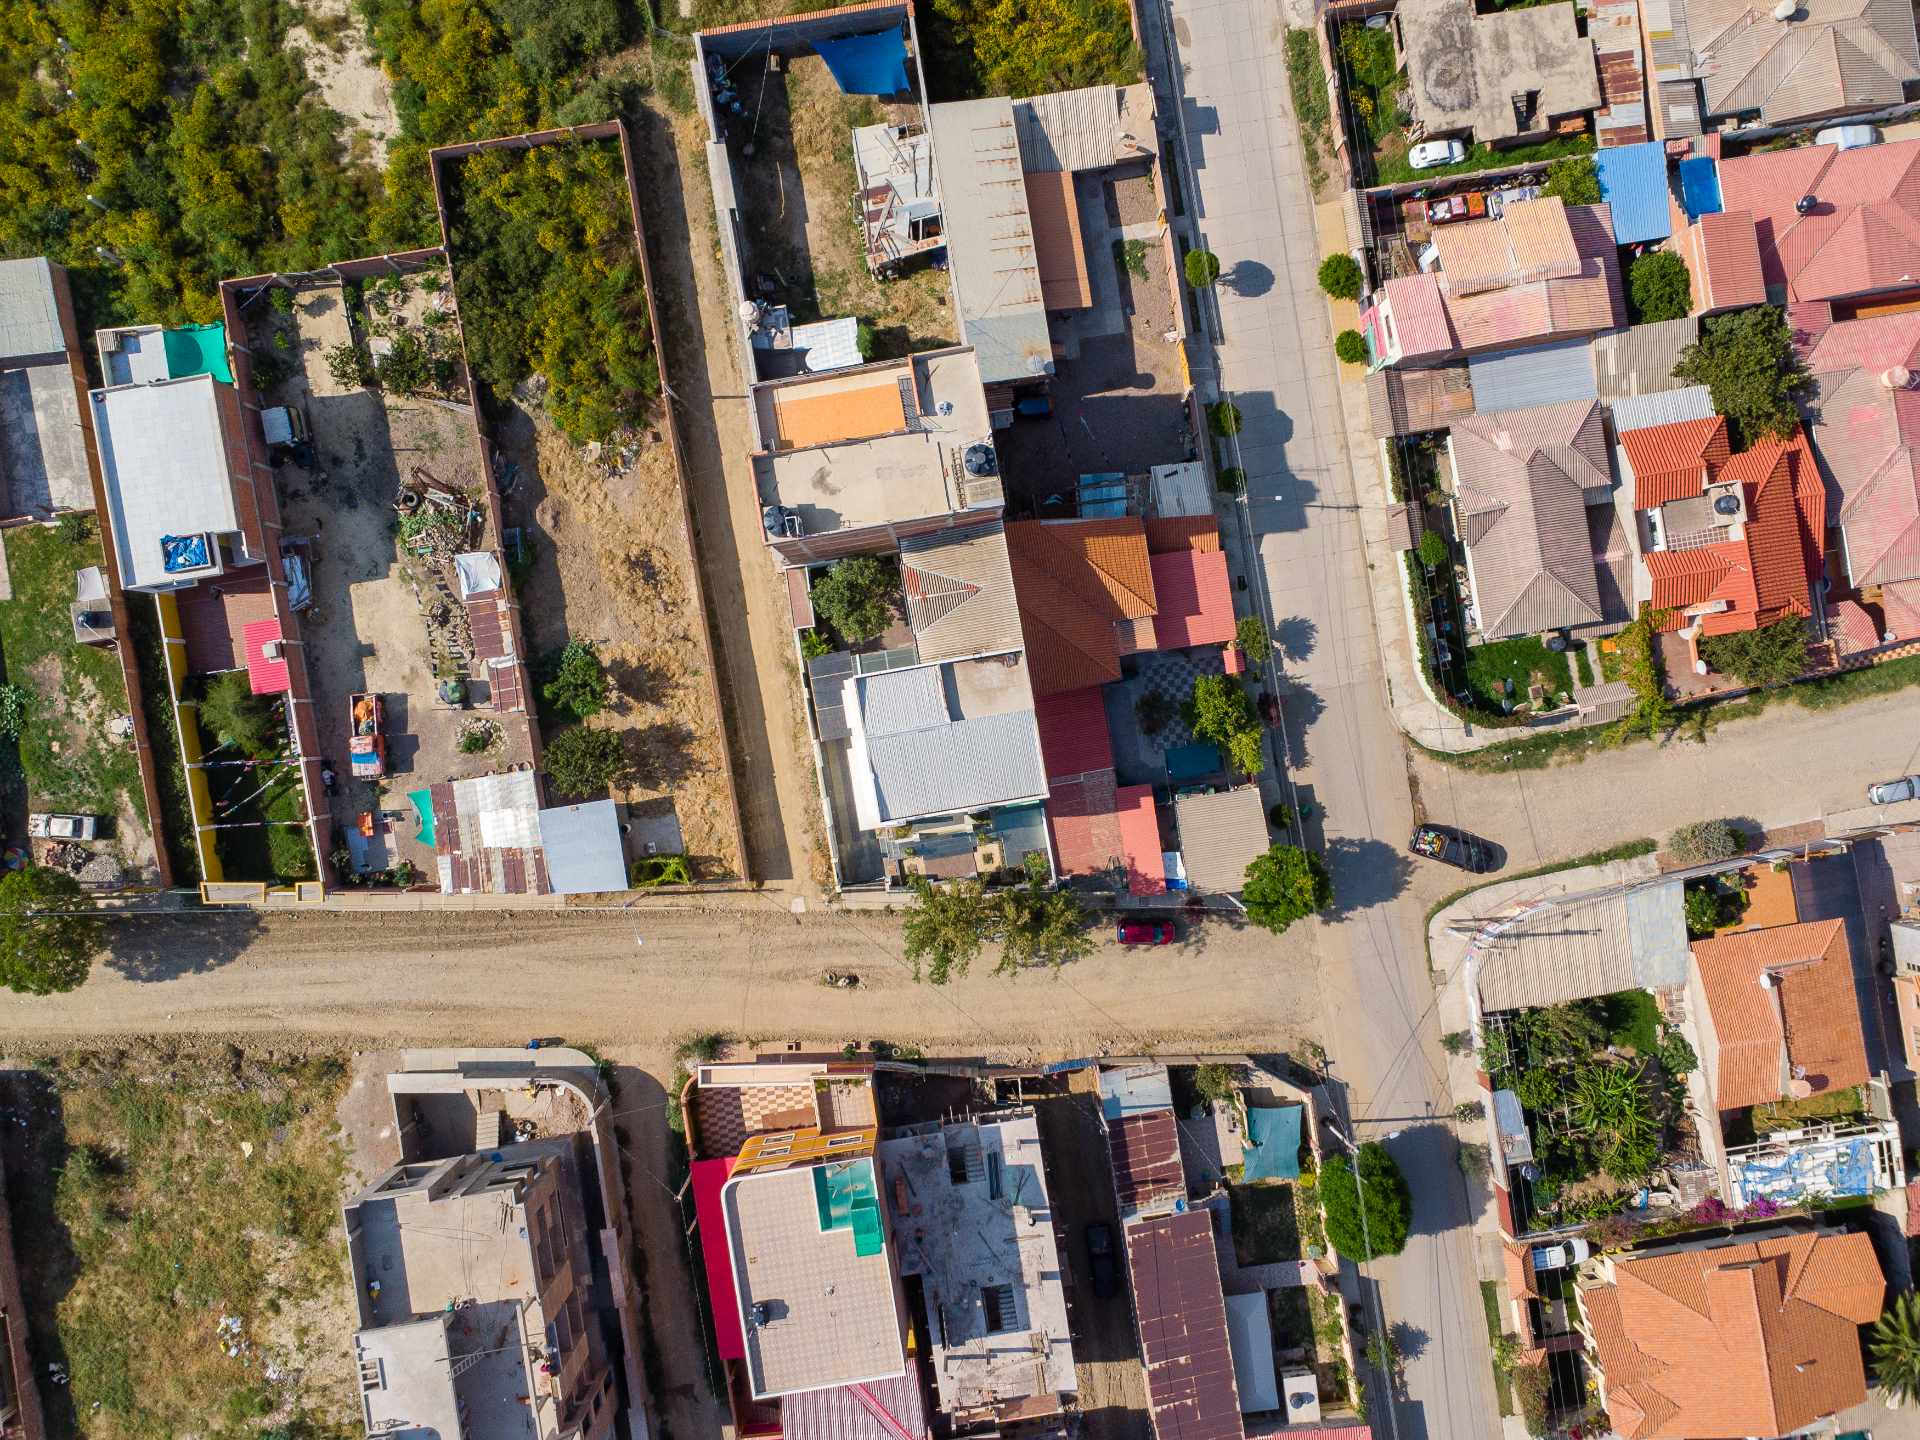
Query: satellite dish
x,y
1726,505
1799,1089
1804,205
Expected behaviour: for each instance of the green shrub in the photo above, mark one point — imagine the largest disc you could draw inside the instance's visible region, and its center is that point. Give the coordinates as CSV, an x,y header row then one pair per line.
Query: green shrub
x,y
1575,180
1202,268
1224,417
1250,634
1214,1082
813,645
1768,656
578,686
233,715
1658,287
582,762
74,528
1029,47
656,870
1350,347
1341,277
858,597
1433,549
348,366
1133,254
1705,841
14,702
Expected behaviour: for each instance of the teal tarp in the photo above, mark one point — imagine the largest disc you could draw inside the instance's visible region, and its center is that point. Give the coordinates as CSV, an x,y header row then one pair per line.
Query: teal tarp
x,y
197,350
423,807
1274,1151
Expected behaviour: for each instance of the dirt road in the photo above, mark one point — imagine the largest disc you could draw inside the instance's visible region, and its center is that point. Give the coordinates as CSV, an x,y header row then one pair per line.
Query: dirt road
x,y
635,980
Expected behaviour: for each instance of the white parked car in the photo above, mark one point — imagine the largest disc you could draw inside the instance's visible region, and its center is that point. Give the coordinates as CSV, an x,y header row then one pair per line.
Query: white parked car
x,y
1429,153
1892,792
1848,137
62,827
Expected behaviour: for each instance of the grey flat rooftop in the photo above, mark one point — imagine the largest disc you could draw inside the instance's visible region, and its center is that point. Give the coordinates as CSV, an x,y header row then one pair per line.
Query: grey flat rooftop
x,y
996,269
29,311
44,449
164,463
979,1241
1464,69
833,1318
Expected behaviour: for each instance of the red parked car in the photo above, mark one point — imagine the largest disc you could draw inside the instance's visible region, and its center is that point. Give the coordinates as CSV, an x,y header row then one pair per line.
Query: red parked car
x,y
1147,932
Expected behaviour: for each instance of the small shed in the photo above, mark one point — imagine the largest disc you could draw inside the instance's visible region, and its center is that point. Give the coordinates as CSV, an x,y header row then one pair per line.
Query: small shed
x,y
1221,833
1250,1337
582,844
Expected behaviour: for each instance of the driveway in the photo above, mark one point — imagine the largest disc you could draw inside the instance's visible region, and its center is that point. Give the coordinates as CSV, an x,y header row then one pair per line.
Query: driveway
x,y
1300,545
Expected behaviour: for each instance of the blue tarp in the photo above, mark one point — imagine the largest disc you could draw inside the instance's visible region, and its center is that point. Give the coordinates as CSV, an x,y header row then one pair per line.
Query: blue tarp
x,y
1633,180
1190,762
1699,186
867,64
183,552
1274,1149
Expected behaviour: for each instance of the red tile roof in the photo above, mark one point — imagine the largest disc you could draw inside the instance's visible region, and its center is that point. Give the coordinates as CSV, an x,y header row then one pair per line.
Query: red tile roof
x,y
1140,840
1083,815
1804,1022
1196,599
1755,1339
1671,462
1726,269
1852,628
1076,579
1073,733
1863,232
267,675
1900,606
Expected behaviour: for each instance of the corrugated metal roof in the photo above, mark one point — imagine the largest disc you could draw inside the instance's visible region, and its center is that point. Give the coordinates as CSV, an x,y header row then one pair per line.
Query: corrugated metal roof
x,y
1640,359
959,591
996,271
1221,833
1663,407
1633,180
1542,375
899,701
829,344
29,313
1183,1328
583,848
1083,129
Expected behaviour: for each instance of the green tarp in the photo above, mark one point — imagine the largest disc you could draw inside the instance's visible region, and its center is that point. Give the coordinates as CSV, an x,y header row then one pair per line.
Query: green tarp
x,y
423,807
198,350
1274,1151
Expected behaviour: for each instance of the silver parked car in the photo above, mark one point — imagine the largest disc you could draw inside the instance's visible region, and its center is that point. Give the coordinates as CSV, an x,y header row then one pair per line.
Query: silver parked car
x,y
1429,153
1892,792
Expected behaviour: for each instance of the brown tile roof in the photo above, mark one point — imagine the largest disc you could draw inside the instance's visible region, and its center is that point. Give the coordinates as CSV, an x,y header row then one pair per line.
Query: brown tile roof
x,y
1407,402
1832,55
1672,462
1805,1023
1076,579
1417,311
1542,269
214,617
1183,1327
1725,266
1755,1339
1056,240
1145,1151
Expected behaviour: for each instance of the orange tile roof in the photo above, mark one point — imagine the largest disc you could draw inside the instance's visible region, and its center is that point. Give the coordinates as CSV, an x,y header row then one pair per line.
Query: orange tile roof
x,y
1671,462
1075,580
1057,250
1755,1339
827,419
1806,1022
1182,532
1140,840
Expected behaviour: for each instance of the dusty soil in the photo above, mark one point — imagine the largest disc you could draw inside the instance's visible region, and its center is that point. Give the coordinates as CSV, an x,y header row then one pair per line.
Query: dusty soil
x,y
348,75
747,606
612,566
796,199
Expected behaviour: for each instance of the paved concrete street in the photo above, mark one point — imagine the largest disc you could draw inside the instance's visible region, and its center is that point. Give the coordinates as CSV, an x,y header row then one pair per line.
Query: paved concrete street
x,y
1249,204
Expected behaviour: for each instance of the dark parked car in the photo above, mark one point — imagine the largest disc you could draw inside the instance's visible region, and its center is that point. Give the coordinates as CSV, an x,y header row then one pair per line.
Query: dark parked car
x,y
1452,847
1100,1262
1269,710
1147,932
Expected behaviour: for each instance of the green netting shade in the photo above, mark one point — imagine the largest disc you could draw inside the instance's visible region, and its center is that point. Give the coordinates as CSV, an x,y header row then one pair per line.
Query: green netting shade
x,y
1274,1151
198,350
844,1196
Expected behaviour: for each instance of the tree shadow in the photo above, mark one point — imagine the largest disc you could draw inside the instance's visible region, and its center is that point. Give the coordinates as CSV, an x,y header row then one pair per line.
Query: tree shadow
x,y
1295,637
1409,1339
1366,873
35,1148
661,755
1301,707
152,948
1248,278
636,682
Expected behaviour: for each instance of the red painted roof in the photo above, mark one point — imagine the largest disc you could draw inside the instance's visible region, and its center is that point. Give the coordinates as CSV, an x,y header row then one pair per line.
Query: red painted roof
x,y
1863,232
1727,266
1196,600
1084,817
1073,733
267,676
1671,462
709,1178
1140,840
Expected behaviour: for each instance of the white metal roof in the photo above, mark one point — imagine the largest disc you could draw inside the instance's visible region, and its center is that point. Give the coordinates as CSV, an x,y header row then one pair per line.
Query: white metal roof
x,y
164,461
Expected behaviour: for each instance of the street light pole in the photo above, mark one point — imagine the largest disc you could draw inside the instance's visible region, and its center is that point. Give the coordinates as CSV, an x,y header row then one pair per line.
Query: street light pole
x,y
1366,1241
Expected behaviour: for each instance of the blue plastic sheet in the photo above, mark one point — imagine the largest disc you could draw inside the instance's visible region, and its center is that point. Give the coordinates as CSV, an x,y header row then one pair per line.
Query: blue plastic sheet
x,y
1700,186
867,64
1274,1151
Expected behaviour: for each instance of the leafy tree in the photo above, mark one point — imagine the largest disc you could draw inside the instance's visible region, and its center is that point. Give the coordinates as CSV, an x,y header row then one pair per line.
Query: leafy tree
x,y
813,645
1433,549
1703,912
1250,634
348,366
235,716
1284,885
582,761
579,684
1350,347
1705,841
1214,1082
945,928
1224,417
1220,713
1894,1344
1202,267
857,597
1746,359
1388,1204
1341,277
1659,288
1769,656
1641,669
1041,924
1575,180
48,932
1676,1055
1030,47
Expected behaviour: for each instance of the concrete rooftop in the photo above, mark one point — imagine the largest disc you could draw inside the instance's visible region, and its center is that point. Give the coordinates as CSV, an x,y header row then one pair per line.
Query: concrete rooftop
x,y
1466,69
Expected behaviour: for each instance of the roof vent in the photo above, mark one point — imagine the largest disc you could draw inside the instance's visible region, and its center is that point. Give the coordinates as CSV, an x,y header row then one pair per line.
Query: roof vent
x,y
1786,9
1804,205
1768,980
1898,378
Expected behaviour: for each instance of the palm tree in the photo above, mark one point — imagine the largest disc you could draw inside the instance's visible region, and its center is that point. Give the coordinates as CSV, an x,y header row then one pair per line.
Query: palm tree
x,y
1894,1343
